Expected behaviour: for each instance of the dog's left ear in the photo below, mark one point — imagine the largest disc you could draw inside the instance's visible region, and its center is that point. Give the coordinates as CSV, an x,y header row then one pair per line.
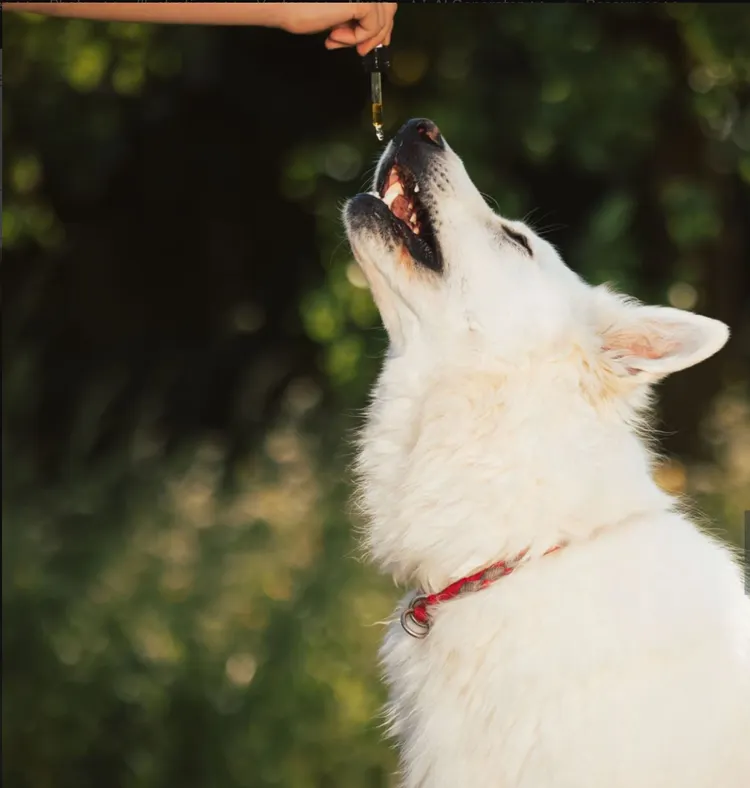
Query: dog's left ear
x,y
648,343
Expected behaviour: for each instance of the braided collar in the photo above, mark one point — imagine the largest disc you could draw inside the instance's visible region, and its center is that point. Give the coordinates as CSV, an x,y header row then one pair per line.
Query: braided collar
x,y
417,618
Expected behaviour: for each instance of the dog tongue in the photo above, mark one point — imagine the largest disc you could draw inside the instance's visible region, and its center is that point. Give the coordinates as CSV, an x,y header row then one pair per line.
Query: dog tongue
x,y
400,208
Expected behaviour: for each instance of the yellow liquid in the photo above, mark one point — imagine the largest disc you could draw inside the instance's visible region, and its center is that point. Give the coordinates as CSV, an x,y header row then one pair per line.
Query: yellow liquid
x,y
377,120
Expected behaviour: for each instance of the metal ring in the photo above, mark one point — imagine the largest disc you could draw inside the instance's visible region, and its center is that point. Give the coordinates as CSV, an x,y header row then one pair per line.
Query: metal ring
x,y
416,629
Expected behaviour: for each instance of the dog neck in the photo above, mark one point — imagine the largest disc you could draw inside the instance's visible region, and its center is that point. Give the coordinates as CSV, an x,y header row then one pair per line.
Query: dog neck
x,y
460,469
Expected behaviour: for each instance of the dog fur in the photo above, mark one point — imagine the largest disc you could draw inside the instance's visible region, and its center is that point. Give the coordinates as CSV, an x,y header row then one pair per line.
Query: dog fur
x,y
510,415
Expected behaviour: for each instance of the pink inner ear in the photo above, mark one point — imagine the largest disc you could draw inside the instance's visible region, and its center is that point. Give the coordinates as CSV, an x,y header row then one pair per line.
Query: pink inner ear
x,y
640,346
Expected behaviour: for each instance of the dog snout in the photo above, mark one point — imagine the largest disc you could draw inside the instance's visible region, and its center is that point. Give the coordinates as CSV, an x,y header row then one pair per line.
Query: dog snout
x,y
420,131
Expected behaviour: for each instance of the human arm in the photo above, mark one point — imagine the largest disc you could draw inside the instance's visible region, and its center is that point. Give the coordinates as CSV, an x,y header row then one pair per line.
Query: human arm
x,y
364,25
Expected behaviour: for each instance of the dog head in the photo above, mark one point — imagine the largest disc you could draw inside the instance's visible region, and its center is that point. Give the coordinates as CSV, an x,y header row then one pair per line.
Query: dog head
x,y
451,276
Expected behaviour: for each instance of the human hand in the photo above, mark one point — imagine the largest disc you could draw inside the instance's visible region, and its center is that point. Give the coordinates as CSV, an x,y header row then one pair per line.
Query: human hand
x,y
360,25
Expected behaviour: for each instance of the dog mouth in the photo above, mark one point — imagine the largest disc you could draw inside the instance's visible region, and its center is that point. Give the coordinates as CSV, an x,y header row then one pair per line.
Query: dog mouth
x,y
400,191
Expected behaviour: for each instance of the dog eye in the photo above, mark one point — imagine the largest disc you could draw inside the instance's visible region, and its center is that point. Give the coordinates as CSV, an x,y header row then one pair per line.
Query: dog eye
x,y
518,238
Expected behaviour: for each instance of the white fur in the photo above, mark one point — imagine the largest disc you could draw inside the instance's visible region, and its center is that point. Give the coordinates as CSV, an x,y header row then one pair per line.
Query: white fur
x,y
509,415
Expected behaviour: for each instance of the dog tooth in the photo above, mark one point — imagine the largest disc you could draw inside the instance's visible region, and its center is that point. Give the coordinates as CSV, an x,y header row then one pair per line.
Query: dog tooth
x,y
416,188
393,191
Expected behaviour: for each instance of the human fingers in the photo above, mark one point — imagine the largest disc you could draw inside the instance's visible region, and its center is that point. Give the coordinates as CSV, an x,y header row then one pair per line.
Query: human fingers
x,y
374,27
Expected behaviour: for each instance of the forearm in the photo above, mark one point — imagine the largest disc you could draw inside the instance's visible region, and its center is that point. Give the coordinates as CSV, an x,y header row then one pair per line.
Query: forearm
x,y
261,14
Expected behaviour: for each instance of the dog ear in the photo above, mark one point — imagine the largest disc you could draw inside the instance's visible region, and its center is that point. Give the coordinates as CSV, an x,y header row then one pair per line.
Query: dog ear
x,y
647,343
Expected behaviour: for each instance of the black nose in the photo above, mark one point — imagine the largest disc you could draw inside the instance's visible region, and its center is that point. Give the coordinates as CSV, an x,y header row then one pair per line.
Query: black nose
x,y
420,130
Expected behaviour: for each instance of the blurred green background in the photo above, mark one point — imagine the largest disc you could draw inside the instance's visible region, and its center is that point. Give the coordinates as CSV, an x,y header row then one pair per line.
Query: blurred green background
x,y
188,345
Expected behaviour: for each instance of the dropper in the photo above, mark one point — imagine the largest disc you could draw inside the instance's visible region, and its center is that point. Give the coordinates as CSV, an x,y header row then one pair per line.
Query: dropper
x,y
375,62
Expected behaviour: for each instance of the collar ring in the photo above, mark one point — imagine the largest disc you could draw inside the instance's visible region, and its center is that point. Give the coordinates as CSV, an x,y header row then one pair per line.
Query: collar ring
x,y
412,626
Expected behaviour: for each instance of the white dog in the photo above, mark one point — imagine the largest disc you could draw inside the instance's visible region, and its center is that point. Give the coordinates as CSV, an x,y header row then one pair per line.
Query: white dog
x,y
574,629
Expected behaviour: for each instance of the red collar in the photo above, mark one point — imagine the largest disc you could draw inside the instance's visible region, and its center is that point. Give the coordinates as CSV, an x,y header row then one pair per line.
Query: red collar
x,y
417,619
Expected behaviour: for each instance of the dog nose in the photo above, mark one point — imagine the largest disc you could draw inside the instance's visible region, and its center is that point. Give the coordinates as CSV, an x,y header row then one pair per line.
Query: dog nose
x,y
420,130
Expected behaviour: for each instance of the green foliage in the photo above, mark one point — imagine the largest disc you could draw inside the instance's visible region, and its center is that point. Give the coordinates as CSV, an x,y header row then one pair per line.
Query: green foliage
x,y
197,615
